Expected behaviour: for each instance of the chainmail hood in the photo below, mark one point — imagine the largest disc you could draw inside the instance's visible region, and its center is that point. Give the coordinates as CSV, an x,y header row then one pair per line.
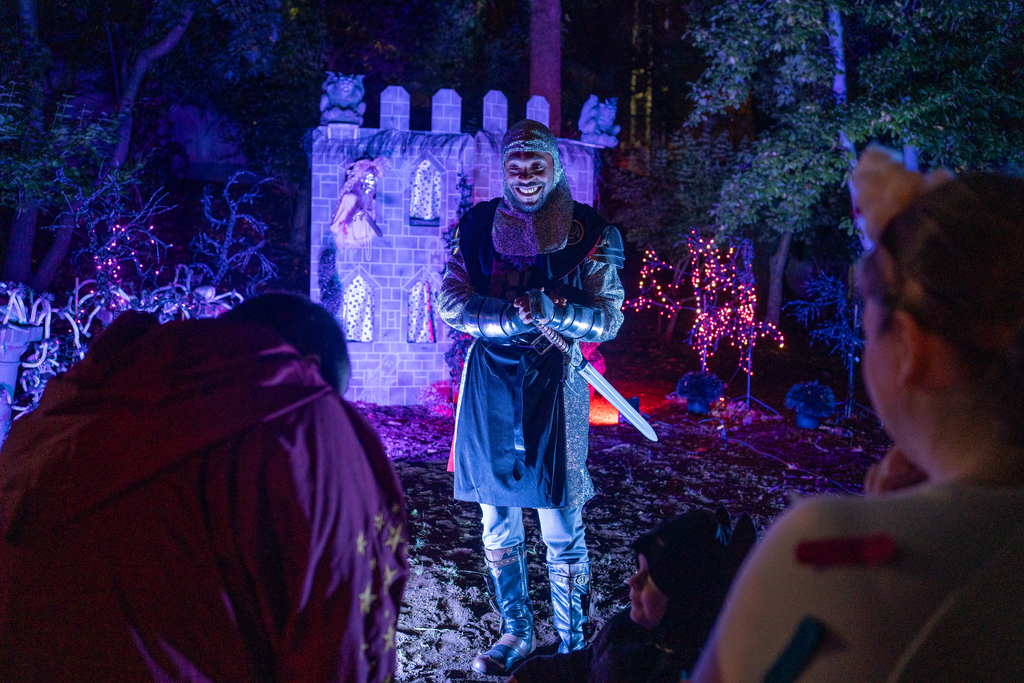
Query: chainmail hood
x,y
522,233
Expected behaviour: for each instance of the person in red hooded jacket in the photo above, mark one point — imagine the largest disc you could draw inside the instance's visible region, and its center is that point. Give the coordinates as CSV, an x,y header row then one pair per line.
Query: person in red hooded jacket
x,y
194,502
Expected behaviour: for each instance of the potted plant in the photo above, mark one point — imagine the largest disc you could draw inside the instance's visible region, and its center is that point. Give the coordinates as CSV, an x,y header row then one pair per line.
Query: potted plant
x,y
700,389
812,402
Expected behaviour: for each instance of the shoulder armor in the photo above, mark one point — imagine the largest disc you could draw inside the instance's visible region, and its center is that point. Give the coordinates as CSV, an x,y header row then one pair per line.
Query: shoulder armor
x,y
609,248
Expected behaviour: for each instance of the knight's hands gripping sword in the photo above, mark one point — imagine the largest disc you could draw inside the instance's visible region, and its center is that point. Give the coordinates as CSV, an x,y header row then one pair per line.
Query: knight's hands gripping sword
x,y
537,308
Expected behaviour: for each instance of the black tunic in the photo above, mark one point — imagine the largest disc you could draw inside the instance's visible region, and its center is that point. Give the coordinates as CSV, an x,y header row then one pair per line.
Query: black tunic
x,y
510,446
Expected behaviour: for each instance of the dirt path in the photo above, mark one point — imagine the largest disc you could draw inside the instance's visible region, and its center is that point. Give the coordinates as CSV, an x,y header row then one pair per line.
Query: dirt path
x,y
754,468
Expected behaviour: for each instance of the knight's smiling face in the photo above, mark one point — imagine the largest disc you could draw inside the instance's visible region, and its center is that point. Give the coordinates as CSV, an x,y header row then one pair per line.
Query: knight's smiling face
x,y
530,177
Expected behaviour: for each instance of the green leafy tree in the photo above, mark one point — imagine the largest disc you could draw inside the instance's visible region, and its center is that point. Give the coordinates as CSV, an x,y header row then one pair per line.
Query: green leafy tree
x,y
776,55
86,70
940,80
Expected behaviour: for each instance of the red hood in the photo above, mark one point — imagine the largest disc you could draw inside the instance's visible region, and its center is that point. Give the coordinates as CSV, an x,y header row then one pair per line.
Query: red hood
x,y
145,396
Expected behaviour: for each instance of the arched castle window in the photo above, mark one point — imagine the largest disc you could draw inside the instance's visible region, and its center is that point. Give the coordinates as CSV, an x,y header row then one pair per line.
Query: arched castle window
x,y
357,310
421,318
426,195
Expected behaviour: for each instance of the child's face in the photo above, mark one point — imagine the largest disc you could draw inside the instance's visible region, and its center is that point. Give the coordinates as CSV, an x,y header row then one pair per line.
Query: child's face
x,y
647,603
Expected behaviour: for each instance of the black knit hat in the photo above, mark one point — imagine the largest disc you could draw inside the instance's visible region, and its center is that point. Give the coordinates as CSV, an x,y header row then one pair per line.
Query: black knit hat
x,y
692,551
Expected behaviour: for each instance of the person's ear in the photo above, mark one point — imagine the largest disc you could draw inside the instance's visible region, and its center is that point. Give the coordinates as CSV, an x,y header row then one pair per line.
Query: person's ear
x,y
314,358
926,362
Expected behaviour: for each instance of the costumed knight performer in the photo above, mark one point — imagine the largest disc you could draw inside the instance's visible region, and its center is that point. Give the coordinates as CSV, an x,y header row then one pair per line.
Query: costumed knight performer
x,y
522,422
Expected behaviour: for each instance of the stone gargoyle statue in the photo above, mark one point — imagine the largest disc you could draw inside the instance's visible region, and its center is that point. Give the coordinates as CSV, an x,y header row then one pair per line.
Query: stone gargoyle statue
x,y
597,122
342,99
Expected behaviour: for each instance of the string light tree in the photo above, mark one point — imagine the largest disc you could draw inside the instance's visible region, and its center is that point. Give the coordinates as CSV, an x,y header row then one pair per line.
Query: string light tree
x,y
120,255
746,329
661,288
722,278
713,277
724,298
660,283
114,265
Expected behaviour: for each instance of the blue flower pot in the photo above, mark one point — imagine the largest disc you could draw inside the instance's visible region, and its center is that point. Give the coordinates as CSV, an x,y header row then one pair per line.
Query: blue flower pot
x,y
807,421
698,408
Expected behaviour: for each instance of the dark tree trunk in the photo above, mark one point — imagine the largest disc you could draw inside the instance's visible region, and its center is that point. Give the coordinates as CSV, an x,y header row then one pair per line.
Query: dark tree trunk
x,y
18,261
546,57
670,325
777,266
299,241
43,276
134,82
29,15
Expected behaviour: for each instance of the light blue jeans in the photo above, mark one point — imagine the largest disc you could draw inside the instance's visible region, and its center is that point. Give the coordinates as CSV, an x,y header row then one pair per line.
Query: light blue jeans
x,y
561,528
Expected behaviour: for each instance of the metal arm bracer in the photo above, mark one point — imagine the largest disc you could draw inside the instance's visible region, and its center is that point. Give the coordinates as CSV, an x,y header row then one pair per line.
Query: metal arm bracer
x,y
572,321
493,318
577,322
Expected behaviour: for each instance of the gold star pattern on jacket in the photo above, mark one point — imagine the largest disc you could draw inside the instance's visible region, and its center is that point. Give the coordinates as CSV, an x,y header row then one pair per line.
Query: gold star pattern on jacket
x,y
366,599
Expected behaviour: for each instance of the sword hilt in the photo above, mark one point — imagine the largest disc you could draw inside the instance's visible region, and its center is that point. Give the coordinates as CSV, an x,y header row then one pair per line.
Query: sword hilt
x,y
556,340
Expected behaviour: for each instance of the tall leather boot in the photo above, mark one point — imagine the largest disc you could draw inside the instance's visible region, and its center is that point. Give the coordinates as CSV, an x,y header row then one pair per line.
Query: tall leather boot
x,y
507,581
570,599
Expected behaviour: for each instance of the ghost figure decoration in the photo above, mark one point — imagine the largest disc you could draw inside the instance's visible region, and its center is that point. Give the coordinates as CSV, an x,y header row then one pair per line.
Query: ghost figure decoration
x,y
342,99
355,220
597,122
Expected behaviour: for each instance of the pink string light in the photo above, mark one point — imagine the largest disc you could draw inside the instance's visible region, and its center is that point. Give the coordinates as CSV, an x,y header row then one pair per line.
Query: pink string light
x,y
724,296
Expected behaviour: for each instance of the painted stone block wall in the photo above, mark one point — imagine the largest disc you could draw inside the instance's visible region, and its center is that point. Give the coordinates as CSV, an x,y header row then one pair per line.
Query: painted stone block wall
x,y
390,369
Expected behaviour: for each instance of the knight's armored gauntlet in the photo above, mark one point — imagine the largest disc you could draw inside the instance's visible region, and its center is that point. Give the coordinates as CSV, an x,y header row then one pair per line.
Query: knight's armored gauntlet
x,y
574,321
492,318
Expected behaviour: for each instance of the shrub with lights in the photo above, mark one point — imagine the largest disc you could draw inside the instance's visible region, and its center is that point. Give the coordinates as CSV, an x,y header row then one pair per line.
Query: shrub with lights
x,y
724,298
701,390
812,402
118,268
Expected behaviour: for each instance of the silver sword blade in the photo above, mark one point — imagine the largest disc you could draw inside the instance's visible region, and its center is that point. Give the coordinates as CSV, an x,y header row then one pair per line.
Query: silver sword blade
x,y
615,398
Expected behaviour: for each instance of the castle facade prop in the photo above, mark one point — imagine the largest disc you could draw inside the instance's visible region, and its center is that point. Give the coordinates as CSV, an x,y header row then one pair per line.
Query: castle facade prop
x,y
382,287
